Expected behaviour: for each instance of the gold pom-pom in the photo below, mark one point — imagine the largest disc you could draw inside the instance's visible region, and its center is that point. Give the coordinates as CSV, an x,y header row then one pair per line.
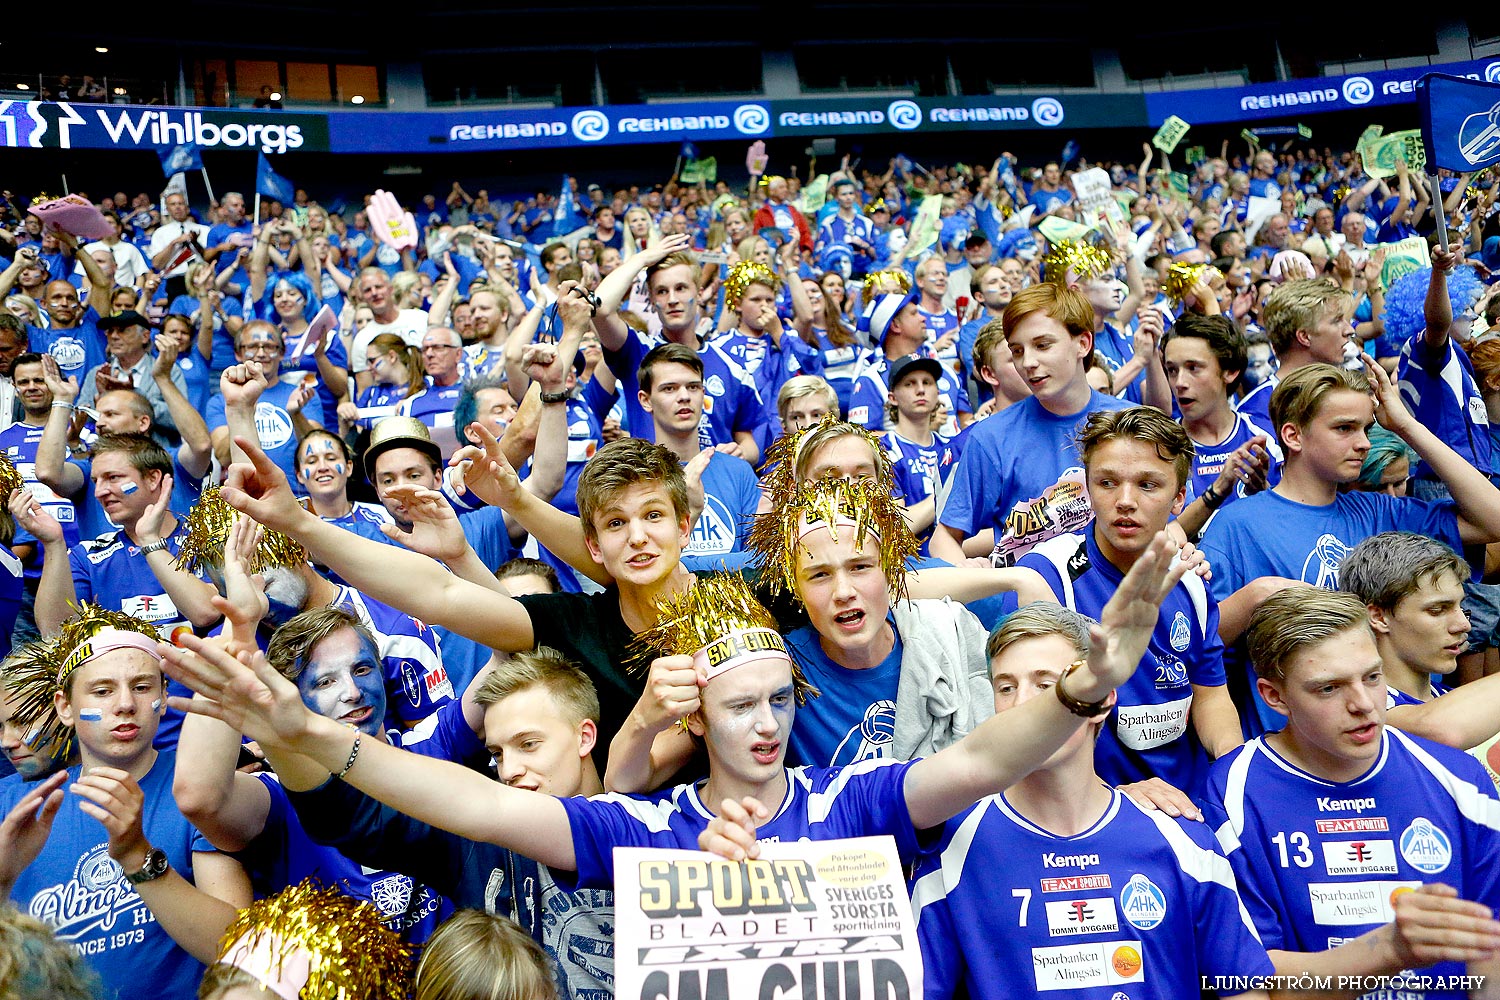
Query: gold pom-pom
x,y
348,953
10,478
891,280
742,276
1181,278
779,474
863,506
1082,260
208,526
30,673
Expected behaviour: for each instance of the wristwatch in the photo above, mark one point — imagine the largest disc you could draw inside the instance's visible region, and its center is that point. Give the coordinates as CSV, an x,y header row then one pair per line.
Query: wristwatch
x,y
155,546
1083,709
556,397
154,867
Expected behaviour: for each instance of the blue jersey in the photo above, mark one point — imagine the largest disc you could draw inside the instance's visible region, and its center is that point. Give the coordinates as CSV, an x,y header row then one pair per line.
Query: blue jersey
x,y
918,470
1149,733
20,442
1046,201
377,402
75,888
840,365
968,336
862,800
1256,404
1026,493
1117,346
854,719
1139,900
938,325
1319,862
730,495
197,376
76,350
1209,459
730,400
273,424
12,590
416,681
283,854
837,231
770,367
1439,389
867,404
434,407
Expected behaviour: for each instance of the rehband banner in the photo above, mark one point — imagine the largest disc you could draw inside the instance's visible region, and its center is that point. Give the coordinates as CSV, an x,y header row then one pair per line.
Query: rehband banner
x,y
67,125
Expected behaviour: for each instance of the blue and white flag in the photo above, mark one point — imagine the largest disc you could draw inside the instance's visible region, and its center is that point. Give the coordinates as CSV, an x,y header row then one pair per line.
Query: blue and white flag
x,y
1460,122
271,184
180,158
566,217
688,151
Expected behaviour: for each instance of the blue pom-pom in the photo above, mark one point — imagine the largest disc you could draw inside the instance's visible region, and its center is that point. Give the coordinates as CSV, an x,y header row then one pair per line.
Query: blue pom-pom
x,y
1404,300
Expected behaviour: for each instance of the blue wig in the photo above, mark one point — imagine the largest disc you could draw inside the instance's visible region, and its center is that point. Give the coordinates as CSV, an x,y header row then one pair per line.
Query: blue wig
x,y
310,301
1404,300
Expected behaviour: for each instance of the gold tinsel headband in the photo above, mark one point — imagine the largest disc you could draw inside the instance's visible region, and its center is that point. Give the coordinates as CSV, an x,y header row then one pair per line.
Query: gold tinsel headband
x,y
742,276
31,674
720,623
862,506
307,943
10,477
95,630
1082,260
1182,277
208,526
895,275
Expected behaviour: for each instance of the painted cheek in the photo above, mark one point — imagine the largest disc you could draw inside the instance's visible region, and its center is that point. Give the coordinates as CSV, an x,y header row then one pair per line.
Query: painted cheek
x,y
90,715
338,467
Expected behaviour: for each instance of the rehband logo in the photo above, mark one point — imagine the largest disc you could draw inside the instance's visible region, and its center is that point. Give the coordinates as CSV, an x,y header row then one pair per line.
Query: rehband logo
x,y
1492,73
159,128
1050,860
1358,90
1047,111
905,115
751,119
590,126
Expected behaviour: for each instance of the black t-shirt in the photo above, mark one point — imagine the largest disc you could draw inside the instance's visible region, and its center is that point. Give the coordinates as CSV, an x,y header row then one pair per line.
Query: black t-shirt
x,y
589,630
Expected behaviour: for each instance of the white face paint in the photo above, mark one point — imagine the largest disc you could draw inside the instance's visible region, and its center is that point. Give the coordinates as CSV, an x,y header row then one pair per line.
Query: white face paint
x,y
156,705
129,488
90,715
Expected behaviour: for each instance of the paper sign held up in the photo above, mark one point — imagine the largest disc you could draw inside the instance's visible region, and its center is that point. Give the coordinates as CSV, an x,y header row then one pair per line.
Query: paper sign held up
x,y
1170,134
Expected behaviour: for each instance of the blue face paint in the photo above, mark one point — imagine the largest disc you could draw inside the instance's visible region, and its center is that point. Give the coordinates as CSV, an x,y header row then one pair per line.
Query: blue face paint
x,y
129,488
345,681
90,715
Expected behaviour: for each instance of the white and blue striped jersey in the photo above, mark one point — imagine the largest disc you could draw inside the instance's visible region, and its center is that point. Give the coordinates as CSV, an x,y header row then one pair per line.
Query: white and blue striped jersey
x,y
1319,862
1139,904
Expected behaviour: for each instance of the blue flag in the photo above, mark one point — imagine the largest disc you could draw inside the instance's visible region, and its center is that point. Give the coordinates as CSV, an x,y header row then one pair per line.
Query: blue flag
x,y
566,217
180,158
1460,122
689,151
271,184
1069,153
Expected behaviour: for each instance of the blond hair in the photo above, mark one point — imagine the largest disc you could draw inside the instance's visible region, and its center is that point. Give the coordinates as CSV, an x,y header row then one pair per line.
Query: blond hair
x,y
1146,424
547,668
1299,305
1296,619
482,956
620,465
1037,621
1298,397
799,386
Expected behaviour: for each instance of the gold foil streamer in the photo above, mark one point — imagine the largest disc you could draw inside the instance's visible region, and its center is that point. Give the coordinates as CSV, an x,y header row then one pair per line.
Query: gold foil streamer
x,y
779,474
31,673
10,478
742,276
1082,260
351,955
1181,278
208,529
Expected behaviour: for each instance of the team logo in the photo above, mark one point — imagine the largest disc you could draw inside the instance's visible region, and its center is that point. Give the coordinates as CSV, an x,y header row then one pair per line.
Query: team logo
x,y
751,119
1492,73
905,115
411,683
1479,135
1321,568
98,870
714,386
21,123
273,425
1182,632
1358,90
1068,917
590,125
1047,111
1425,847
1142,903
68,352
391,895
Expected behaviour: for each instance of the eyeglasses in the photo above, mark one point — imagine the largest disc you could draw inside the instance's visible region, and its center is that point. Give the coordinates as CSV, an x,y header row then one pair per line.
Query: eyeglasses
x,y
440,347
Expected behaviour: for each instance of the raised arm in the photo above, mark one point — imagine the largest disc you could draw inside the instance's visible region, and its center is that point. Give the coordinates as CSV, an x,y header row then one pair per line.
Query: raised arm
x,y
259,702
53,469
196,452
55,593
99,285
615,289
1437,309
1008,746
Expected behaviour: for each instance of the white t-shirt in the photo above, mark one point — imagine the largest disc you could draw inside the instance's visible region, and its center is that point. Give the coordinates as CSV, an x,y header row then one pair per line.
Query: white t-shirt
x,y
130,264
169,231
409,324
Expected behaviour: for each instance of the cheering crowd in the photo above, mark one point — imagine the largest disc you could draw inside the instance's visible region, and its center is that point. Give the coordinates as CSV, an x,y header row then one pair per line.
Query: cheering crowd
x,y
1119,541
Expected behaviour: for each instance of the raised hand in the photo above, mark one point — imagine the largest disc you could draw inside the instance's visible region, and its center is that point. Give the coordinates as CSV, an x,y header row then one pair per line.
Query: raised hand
x,y
260,489
64,390
244,691
435,530
673,690
485,471
731,834
389,224
1127,621
1390,411
166,355
113,797
148,528
34,518
242,384
244,602
24,831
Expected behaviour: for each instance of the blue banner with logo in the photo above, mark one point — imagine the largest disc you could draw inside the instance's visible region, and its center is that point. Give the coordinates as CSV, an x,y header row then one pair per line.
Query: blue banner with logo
x,y
1460,122
180,158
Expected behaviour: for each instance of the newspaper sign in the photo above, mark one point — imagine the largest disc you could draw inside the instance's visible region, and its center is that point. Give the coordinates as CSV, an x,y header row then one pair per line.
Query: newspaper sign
x,y
1403,258
812,918
1096,194
1170,134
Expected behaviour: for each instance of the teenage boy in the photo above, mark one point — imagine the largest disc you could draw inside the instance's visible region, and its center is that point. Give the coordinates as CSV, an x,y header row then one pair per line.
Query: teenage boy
x,y
1203,357
1307,321
1134,896
736,414
899,331
921,459
989,287
993,369
1028,494
1359,850
745,718
146,898
671,381
540,726
1175,714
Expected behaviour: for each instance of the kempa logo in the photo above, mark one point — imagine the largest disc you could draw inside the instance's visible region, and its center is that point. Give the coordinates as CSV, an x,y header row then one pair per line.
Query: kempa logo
x,y
905,115
1342,805
158,128
1358,90
751,119
1050,860
590,126
1047,111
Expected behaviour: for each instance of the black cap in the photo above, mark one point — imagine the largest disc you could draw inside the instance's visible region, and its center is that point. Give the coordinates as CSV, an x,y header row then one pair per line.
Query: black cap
x,y
902,367
121,321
